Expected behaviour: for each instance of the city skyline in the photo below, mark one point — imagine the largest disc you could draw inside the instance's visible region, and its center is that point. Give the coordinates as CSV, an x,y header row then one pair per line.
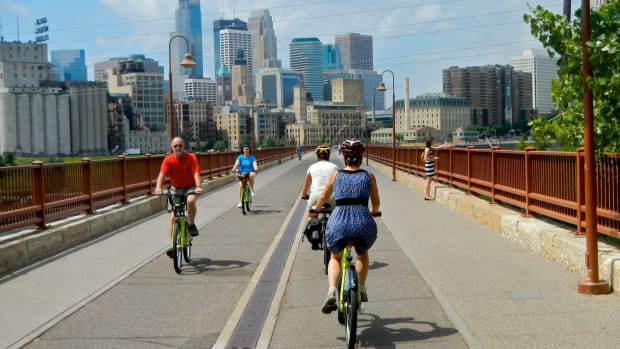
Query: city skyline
x,y
414,39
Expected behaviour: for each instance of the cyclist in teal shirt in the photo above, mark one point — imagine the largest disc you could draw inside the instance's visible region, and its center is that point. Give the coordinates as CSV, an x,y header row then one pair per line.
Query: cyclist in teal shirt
x,y
246,163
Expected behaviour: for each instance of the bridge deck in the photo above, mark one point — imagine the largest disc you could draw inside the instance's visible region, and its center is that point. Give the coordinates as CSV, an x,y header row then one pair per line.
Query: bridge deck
x,y
438,279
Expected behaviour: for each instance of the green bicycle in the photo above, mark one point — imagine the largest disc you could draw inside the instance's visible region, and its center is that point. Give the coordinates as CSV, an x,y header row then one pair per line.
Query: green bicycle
x,y
246,194
350,294
181,239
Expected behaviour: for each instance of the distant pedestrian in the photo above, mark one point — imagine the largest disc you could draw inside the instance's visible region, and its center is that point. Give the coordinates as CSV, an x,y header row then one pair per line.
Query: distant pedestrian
x,y
429,166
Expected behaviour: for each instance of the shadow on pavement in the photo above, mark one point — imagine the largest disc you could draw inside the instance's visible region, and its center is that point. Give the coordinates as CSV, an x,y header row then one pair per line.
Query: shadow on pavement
x,y
377,332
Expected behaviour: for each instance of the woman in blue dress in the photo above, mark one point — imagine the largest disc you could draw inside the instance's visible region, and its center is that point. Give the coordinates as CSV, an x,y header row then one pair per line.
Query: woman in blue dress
x,y
351,219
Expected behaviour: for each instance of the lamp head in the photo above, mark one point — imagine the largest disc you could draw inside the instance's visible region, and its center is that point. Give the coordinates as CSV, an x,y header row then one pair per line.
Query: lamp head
x,y
188,62
381,87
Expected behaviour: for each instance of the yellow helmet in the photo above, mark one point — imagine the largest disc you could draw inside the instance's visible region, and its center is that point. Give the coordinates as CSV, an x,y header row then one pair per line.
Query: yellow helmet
x,y
323,151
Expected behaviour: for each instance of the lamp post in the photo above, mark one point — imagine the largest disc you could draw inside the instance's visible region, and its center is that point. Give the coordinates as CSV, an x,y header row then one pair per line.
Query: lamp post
x,y
382,88
187,62
366,123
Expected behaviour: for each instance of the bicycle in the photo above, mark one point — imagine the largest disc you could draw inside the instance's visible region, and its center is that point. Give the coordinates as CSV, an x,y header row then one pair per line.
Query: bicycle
x,y
350,294
246,193
181,239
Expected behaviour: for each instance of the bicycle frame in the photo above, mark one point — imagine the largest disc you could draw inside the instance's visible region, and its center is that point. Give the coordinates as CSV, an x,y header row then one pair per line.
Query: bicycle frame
x,y
348,281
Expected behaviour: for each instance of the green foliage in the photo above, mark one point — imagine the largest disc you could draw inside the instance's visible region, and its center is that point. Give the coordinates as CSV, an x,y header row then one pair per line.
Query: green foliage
x,y
220,145
561,37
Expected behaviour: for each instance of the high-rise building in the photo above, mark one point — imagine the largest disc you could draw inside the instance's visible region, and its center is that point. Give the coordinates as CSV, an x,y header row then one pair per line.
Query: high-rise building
x,y
355,51
71,64
145,89
233,44
331,58
148,64
188,23
543,69
219,25
241,83
264,43
306,57
201,89
371,81
498,95
276,86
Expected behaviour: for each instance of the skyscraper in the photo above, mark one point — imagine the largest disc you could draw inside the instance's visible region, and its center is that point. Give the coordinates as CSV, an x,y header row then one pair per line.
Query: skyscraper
x,y
219,25
355,51
331,57
497,94
232,41
71,64
543,69
188,22
264,43
306,57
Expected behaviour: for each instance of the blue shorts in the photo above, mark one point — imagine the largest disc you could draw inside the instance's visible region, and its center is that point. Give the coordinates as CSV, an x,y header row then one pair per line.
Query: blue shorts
x,y
360,244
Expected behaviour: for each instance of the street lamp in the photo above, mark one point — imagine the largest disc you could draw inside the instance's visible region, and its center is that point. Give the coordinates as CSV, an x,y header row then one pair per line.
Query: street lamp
x,y
382,88
187,62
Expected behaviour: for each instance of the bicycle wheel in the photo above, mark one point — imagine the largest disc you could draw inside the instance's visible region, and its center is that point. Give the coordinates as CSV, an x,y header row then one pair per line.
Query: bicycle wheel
x,y
187,249
243,199
248,198
176,238
326,253
350,309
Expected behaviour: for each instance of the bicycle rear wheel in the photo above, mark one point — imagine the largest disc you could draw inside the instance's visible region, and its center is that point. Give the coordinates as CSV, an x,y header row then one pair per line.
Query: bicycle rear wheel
x,y
176,239
350,311
326,254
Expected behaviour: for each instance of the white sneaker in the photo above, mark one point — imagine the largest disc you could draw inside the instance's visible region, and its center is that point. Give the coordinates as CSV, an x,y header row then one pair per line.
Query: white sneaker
x,y
252,193
239,205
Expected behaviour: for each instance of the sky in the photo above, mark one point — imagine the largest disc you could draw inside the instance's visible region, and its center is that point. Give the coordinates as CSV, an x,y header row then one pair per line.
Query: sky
x,y
414,39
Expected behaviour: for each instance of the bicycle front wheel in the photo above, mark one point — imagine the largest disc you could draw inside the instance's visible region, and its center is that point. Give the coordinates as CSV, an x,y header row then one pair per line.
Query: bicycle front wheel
x,y
350,310
187,249
243,198
248,199
176,240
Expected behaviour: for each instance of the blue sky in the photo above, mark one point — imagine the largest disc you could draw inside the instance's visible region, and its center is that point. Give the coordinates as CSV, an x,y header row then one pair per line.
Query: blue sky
x,y
414,39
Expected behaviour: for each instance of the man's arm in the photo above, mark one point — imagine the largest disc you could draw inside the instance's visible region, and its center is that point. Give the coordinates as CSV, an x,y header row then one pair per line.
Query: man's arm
x,y
160,183
198,182
304,189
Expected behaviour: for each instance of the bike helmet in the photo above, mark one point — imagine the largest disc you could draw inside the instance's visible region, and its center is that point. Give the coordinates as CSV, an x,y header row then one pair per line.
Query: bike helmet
x,y
352,148
323,151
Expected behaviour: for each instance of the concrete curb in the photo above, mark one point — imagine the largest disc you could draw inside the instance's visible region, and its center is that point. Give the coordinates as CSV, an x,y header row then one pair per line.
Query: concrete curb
x,y
553,241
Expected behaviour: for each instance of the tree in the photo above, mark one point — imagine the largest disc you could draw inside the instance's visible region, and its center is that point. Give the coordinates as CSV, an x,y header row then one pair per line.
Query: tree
x,y
561,36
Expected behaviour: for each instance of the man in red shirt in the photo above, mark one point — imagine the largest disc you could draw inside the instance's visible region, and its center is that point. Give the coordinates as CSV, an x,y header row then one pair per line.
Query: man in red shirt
x,y
183,170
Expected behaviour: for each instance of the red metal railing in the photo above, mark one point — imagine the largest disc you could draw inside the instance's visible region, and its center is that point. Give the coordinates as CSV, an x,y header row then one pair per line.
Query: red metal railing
x,y
547,183
38,194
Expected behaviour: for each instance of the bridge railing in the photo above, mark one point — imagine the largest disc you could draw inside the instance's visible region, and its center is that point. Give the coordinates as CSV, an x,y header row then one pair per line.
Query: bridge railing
x,y
37,194
547,183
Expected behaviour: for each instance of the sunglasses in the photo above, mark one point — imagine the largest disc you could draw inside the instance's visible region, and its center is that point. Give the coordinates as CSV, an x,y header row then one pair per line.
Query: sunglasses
x,y
178,146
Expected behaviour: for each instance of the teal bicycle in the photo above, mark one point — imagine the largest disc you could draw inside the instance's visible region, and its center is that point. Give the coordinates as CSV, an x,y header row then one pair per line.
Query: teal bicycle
x,y
181,239
246,193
